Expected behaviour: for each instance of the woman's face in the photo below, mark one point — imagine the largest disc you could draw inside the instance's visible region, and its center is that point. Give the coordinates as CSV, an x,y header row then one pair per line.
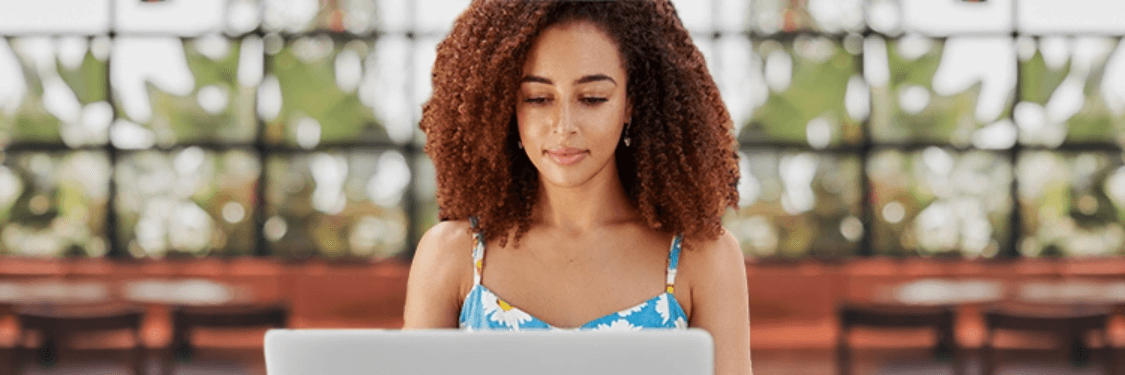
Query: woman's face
x,y
571,104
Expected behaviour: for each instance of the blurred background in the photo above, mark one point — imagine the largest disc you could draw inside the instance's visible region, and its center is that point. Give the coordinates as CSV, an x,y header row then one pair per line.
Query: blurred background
x,y
174,161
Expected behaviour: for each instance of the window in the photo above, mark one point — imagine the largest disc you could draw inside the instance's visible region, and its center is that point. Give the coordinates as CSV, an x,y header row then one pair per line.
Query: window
x,y
288,127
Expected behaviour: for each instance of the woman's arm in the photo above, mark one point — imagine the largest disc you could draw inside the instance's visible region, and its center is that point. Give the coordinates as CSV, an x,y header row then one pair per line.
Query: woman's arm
x,y
719,301
442,267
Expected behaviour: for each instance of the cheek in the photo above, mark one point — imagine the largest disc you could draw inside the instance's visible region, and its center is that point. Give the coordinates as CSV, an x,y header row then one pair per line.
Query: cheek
x,y
608,123
523,123
531,121
611,137
605,131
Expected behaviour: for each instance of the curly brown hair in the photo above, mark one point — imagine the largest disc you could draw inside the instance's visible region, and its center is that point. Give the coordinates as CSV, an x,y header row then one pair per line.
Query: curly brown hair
x,y
681,169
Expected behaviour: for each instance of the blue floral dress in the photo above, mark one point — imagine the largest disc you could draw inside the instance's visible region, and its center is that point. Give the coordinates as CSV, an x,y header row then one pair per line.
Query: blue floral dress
x,y
484,310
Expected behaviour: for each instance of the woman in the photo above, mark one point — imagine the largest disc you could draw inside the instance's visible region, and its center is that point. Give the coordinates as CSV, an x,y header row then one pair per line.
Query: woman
x,y
579,146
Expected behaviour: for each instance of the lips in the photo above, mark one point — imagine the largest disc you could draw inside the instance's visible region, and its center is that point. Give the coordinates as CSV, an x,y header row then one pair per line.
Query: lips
x,y
566,156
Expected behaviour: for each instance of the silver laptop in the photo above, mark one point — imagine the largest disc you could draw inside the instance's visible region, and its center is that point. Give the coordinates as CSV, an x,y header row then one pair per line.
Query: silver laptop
x,y
364,351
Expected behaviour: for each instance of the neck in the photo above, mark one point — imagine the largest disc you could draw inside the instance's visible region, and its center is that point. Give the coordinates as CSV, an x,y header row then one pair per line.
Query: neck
x,y
578,209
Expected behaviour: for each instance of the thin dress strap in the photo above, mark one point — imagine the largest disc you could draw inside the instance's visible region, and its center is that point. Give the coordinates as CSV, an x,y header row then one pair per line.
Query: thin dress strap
x,y
478,251
673,263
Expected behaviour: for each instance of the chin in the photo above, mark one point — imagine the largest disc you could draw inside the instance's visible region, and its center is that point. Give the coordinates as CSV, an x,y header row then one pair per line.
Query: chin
x,y
565,178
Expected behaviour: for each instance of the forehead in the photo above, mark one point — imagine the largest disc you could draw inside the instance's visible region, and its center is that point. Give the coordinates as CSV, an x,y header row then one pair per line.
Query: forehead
x,y
575,48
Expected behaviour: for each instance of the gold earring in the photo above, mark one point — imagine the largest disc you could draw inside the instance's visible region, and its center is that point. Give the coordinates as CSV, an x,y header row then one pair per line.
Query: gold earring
x,y
627,142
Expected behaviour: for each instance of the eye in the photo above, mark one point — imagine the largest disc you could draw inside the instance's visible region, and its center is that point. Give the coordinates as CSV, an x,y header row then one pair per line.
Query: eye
x,y
537,100
594,100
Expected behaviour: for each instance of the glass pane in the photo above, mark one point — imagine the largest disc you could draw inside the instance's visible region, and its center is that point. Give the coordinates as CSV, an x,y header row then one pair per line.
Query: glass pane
x,y
189,202
301,16
394,15
884,16
1072,204
243,16
169,17
53,90
171,91
797,204
321,91
424,53
53,204
810,82
832,16
337,204
957,16
425,191
738,74
956,90
940,202
695,15
79,17
1074,16
1072,90
436,16
733,15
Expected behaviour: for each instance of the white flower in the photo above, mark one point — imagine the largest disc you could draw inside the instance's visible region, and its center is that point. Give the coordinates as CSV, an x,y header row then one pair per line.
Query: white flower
x,y
503,313
489,302
617,325
512,318
631,310
681,323
662,307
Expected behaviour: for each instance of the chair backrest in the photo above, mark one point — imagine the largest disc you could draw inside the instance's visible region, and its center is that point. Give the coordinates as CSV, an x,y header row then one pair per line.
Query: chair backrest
x,y
939,319
1069,323
1061,320
65,321
188,317
896,316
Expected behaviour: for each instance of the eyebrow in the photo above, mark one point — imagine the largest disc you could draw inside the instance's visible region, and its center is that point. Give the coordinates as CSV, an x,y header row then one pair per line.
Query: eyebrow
x,y
584,79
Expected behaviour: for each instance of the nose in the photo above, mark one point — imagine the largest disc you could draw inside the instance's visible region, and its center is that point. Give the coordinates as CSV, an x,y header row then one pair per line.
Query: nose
x,y
565,119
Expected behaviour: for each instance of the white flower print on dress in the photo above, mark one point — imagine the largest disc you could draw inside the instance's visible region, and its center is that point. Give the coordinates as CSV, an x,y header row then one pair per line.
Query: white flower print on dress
x,y
501,312
681,323
617,325
488,302
662,307
631,310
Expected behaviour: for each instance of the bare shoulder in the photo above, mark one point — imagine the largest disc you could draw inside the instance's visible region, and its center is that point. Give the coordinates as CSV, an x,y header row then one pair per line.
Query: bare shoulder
x,y
713,257
445,252
440,276
445,234
711,266
723,249
719,302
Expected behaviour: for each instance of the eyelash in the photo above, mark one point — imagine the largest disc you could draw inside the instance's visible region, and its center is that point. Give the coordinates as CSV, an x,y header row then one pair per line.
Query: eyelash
x,y
587,100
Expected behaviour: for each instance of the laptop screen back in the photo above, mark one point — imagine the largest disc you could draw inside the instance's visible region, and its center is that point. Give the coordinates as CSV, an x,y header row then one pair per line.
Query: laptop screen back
x,y
459,352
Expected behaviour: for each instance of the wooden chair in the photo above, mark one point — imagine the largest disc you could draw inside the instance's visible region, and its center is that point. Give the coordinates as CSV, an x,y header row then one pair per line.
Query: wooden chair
x,y
1068,323
186,319
58,324
7,353
938,318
